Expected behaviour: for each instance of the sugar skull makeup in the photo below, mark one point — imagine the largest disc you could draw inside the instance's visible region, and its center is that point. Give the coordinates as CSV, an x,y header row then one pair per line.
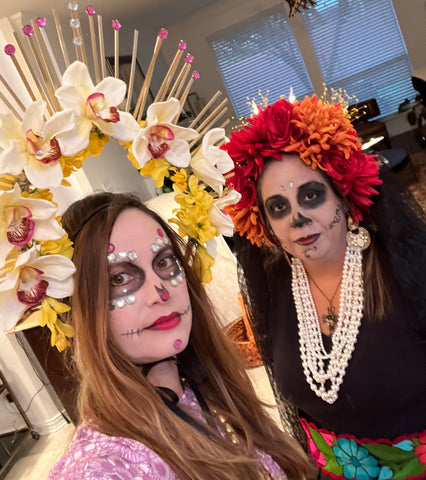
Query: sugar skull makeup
x,y
146,277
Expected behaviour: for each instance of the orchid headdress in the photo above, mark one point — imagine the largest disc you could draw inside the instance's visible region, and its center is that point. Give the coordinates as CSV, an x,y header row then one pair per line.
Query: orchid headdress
x,y
321,133
65,118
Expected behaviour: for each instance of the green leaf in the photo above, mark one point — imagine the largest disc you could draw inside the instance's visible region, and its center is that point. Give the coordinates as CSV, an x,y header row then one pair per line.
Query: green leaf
x,y
413,468
388,454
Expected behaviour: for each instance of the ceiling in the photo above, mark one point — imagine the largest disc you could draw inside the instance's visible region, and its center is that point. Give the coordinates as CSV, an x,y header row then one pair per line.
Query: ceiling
x,y
130,12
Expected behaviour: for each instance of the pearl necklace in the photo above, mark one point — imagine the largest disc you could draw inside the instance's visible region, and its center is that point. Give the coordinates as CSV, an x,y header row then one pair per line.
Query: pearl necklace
x,y
319,366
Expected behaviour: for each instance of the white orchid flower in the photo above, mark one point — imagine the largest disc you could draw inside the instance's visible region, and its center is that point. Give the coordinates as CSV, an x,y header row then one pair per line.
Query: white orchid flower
x,y
93,106
162,139
210,163
32,145
219,218
25,219
32,279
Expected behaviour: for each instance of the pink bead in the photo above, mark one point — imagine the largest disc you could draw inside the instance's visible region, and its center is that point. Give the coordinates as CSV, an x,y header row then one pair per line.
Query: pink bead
x,y
182,45
40,22
90,11
163,33
111,248
160,232
189,58
28,30
195,75
116,25
9,49
177,344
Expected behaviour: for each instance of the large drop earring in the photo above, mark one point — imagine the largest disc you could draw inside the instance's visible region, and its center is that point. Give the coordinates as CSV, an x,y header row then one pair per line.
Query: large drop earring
x,y
357,237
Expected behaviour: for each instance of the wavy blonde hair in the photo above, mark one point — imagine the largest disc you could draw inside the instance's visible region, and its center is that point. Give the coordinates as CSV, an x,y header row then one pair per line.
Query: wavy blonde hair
x,y
117,399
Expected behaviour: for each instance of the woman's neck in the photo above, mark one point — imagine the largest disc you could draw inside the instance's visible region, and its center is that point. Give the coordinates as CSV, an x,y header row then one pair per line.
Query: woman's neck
x,y
332,268
166,374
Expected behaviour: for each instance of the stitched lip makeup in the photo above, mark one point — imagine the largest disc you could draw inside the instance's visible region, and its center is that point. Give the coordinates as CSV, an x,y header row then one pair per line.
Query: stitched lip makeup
x,y
166,322
309,240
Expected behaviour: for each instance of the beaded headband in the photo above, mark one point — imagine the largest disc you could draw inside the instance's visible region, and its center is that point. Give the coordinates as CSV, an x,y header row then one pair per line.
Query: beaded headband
x,y
54,116
322,135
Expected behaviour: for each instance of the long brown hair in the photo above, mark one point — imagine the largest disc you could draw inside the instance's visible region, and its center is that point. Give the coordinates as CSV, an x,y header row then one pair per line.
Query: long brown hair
x,y
377,301
117,399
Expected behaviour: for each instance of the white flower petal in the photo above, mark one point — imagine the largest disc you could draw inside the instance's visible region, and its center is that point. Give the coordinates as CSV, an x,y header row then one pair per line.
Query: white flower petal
x,y
11,309
179,154
182,133
220,219
75,140
10,130
44,176
33,118
13,159
60,289
60,122
140,150
77,74
5,249
162,112
125,130
113,89
48,230
54,267
69,97
211,247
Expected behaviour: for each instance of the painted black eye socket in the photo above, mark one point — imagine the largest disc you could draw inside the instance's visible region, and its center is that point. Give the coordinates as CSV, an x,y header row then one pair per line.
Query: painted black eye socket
x,y
312,194
124,279
277,206
166,265
120,279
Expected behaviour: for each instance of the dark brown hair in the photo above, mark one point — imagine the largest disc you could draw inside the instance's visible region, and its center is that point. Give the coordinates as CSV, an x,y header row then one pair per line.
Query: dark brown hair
x,y
117,399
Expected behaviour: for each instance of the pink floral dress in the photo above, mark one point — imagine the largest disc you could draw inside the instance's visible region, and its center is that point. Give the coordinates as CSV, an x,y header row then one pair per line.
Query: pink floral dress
x,y
95,456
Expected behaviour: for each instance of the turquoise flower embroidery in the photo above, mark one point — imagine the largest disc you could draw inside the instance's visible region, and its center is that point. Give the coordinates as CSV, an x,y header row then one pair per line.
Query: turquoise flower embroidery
x,y
355,460
406,445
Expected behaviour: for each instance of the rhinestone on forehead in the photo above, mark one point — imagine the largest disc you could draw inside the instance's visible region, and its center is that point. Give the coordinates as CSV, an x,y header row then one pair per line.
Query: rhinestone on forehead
x,y
122,256
160,241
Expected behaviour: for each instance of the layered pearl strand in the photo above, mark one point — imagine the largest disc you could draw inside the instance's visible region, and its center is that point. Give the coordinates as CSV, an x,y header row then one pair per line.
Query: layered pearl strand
x,y
319,366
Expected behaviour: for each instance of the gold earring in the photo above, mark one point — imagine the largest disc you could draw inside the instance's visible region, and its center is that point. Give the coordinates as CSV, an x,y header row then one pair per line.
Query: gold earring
x,y
357,237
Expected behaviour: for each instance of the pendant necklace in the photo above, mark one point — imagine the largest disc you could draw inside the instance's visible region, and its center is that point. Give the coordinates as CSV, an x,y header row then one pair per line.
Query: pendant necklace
x,y
331,318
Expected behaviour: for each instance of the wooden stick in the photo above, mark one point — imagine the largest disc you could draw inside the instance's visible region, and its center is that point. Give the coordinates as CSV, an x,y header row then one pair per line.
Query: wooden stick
x,y
23,78
12,93
43,55
208,127
47,82
205,108
184,74
207,119
132,70
94,48
61,39
116,26
33,74
145,87
101,45
183,99
51,55
10,106
75,35
168,77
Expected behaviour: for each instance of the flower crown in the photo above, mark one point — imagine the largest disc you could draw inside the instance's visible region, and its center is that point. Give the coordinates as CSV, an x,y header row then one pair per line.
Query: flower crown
x,y
69,118
321,134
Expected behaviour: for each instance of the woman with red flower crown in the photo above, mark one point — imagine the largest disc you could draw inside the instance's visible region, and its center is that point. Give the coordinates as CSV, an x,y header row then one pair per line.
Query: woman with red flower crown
x,y
333,261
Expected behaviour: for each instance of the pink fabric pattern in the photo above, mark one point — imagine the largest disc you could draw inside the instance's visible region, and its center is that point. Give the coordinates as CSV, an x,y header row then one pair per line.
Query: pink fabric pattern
x,y
95,456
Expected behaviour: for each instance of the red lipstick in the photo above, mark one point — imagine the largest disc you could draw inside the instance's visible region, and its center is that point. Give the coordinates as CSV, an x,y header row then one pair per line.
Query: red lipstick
x,y
304,241
166,322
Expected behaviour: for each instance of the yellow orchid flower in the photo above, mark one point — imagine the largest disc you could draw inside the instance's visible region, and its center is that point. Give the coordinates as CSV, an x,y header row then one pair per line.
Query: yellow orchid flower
x,y
157,168
180,180
59,330
63,246
207,262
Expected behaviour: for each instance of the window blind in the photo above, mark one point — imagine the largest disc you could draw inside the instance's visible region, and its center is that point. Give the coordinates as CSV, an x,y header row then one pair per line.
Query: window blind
x,y
263,55
360,48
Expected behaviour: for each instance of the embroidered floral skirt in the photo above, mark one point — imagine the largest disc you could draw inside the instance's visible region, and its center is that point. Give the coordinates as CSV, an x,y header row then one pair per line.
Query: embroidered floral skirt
x,y
345,457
